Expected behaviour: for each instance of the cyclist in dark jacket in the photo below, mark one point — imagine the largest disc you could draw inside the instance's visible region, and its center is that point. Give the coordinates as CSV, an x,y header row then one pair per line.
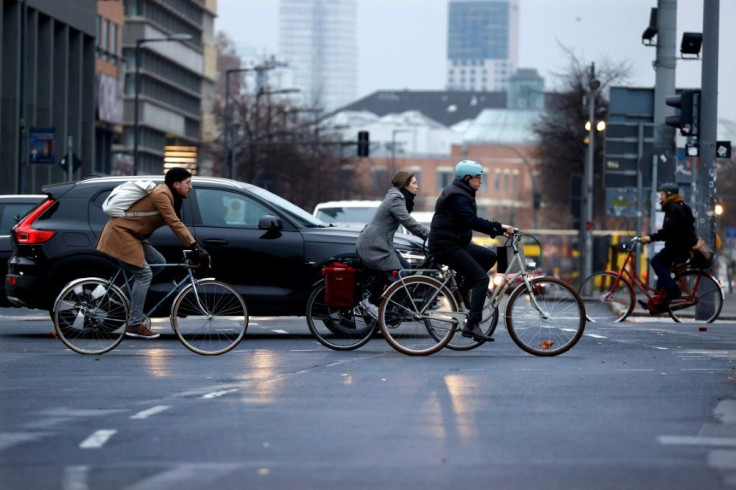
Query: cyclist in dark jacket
x,y
678,234
455,218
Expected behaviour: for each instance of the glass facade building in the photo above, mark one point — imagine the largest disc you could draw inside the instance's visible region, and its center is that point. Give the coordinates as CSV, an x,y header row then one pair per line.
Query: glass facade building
x,y
317,38
482,44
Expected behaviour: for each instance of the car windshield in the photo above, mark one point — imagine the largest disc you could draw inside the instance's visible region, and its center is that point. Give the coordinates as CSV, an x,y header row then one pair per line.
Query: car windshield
x,y
294,211
346,214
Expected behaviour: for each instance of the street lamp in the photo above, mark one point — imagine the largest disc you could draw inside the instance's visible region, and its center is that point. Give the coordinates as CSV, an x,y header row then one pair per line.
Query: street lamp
x,y
226,134
587,214
138,43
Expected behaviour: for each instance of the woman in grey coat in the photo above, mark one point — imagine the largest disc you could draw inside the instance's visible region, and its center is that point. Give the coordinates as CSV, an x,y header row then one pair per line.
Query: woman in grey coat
x,y
375,244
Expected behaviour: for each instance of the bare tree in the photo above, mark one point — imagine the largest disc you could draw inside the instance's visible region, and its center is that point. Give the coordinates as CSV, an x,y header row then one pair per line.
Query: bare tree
x,y
562,147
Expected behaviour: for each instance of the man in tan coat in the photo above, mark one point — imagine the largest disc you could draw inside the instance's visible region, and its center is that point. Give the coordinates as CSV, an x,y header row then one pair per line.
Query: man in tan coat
x,y
126,239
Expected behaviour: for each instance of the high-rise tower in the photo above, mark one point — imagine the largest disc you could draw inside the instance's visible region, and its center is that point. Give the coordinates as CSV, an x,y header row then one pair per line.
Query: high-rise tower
x,y
482,44
317,40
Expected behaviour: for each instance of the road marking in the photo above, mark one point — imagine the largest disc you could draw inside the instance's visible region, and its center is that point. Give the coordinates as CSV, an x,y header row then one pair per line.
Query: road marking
x,y
9,439
76,478
595,336
280,331
215,394
97,439
698,441
151,411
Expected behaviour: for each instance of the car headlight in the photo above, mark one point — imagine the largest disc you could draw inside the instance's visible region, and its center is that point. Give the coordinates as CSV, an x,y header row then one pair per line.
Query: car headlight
x,y
412,257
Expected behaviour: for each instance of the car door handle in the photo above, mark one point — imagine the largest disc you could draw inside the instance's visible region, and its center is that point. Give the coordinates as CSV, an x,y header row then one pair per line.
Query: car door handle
x,y
215,241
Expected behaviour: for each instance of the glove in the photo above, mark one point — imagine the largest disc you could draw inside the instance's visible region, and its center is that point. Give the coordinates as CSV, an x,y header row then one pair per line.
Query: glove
x,y
199,255
645,239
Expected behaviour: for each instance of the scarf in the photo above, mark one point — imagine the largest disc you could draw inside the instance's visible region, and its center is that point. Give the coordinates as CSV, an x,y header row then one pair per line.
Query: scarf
x,y
409,199
672,199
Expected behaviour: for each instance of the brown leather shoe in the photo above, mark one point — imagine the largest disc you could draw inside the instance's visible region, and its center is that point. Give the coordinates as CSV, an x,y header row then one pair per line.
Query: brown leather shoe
x,y
141,331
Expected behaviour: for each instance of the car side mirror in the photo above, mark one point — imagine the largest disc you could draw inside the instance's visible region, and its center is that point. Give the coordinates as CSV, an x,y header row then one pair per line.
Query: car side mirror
x,y
269,222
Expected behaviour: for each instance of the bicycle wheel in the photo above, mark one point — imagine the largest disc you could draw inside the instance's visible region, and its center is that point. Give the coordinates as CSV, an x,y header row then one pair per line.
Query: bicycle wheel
x,y
209,317
550,327
702,298
416,316
90,315
338,328
488,323
607,297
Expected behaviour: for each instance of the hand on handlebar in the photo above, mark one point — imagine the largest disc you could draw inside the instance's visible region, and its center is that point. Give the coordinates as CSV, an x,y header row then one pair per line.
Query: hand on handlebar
x,y
645,239
509,230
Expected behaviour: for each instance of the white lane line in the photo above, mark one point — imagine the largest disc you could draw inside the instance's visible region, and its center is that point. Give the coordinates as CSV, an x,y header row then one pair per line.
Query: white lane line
x,y
75,478
280,331
215,394
97,439
595,336
698,441
151,411
9,439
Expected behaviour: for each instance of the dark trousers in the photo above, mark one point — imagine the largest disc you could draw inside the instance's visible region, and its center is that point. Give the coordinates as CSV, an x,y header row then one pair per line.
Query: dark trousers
x,y
383,279
472,262
661,263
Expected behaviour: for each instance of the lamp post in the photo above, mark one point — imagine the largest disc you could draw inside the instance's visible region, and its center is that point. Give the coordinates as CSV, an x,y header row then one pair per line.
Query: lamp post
x,y
136,128
587,214
226,133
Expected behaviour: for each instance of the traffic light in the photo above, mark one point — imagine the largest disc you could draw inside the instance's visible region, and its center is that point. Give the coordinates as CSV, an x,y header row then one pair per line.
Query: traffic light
x,y
364,144
688,119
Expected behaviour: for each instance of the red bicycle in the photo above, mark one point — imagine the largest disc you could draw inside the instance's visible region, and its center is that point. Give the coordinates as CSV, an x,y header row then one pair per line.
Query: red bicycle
x,y
610,295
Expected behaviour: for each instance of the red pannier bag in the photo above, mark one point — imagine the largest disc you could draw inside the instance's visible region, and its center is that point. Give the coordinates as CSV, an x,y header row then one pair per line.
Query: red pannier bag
x,y
339,285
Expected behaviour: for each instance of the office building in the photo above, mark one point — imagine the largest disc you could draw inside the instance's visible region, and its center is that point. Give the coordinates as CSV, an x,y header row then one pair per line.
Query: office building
x,y
47,69
317,40
175,46
482,44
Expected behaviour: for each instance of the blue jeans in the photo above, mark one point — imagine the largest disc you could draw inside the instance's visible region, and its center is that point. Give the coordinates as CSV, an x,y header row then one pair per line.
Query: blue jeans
x,y
661,263
472,262
141,281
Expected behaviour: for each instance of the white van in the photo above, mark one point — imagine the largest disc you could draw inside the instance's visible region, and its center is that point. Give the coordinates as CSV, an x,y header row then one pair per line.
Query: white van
x,y
354,214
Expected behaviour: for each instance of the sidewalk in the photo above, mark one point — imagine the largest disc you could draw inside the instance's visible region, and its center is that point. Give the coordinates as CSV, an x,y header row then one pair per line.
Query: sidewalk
x,y
728,312
729,306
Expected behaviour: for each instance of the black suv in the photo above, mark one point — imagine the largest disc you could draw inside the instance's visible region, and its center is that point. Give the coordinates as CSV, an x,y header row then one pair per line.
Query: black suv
x,y
269,249
12,208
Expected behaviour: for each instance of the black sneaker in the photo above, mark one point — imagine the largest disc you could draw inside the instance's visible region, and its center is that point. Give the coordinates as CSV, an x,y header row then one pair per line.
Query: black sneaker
x,y
474,331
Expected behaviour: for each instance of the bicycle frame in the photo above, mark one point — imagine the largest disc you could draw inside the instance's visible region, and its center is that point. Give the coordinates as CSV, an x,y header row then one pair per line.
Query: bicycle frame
x,y
498,293
127,280
628,274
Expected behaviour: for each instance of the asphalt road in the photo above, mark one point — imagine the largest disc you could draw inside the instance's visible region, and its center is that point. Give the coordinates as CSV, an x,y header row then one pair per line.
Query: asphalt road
x,y
647,404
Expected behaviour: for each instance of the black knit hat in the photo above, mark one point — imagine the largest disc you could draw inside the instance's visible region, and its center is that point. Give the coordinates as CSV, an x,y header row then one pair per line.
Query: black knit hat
x,y
669,188
176,174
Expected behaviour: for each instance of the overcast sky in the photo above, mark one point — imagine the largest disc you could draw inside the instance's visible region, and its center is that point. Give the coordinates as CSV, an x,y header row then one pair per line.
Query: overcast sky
x,y
403,43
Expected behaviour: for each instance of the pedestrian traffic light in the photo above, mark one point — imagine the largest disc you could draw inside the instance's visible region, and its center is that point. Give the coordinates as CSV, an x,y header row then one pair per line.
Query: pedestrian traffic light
x,y
364,144
688,119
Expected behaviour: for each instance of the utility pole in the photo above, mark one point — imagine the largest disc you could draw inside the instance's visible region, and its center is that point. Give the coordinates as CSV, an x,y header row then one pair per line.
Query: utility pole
x,y
706,189
586,221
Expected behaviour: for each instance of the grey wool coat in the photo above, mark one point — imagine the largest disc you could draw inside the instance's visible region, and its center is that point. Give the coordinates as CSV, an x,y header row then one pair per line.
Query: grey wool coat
x,y
375,244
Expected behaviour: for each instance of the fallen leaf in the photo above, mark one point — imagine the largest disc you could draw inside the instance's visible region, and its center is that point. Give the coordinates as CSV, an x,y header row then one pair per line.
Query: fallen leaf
x,y
547,344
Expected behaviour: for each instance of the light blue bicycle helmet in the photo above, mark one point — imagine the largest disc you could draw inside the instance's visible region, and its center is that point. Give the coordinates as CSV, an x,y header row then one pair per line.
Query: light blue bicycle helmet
x,y
468,167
